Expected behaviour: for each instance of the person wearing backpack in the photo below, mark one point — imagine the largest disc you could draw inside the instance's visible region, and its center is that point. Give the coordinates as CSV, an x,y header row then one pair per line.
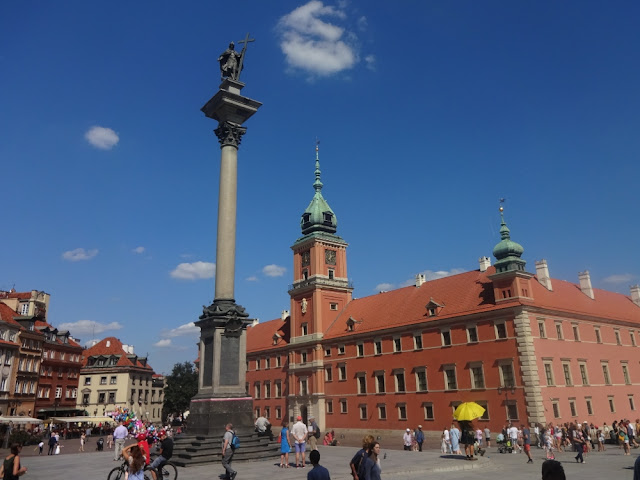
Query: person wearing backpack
x,y
314,433
356,464
227,451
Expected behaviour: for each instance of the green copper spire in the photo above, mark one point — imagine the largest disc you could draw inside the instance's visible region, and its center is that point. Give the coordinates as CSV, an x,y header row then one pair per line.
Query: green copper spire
x,y
507,252
318,217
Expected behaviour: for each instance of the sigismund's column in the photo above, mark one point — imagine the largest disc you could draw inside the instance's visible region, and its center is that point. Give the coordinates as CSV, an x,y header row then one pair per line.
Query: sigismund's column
x,y
221,396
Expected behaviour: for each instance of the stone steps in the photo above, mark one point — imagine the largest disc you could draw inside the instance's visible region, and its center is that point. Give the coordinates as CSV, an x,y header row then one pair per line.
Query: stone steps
x,y
196,449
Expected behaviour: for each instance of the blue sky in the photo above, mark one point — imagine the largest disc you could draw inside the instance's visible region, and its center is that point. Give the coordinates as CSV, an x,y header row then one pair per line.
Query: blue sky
x,y
427,114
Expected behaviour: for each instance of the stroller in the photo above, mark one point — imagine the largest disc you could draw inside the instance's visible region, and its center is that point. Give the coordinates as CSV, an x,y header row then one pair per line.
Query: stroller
x,y
100,444
504,444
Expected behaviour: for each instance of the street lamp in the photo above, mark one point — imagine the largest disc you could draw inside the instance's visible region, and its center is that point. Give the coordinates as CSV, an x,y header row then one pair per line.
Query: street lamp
x,y
506,390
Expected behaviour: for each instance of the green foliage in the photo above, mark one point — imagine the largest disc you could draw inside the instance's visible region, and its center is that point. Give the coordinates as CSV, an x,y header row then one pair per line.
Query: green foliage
x,y
180,387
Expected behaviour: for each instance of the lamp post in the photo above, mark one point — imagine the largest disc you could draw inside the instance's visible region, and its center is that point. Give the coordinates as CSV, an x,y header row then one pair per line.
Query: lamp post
x,y
506,390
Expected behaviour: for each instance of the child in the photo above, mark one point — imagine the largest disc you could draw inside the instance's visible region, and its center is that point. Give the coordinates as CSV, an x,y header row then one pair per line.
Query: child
x,y
40,447
548,445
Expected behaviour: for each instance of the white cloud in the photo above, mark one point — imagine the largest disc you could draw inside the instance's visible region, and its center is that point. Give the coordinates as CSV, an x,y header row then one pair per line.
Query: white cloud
x,y
138,250
79,254
252,278
194,271
434,275
166,342
102,137
183,330
88,327
619,278
370,61
363,23
312,44
384,287
274,270
428,274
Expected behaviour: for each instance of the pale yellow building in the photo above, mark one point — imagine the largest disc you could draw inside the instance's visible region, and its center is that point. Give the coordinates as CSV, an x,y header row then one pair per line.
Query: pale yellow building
x,y
114,376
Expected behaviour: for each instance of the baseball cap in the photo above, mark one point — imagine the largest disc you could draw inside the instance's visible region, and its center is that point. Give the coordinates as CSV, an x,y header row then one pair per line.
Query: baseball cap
x,y
141,436
162,432
408,429
299,417
419,426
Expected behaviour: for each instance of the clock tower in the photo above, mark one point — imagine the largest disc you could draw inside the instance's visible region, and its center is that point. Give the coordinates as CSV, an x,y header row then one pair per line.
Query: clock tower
x,y
319,292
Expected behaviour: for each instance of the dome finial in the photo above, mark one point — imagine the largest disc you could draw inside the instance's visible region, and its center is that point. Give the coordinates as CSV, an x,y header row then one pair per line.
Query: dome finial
x,y
318,216
507,252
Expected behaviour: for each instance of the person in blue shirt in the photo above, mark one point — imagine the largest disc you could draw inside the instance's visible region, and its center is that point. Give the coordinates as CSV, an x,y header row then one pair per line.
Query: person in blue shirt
x,y
318,472
419,437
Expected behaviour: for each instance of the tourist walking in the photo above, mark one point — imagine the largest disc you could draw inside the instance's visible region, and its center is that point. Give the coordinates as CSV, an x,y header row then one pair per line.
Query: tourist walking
x,y
467,438
419,437
406,439
314,433
578,442
487,437
11,468
227,452
83,439
446,442
526,440
454,436
110,440
357,462
372,469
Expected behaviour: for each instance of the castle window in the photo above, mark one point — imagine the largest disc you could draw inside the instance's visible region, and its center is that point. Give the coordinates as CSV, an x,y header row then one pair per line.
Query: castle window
x,y
304,328
446,338
397,344
329,406
417,341
541,329
617,333
306,217
360,349
331,274
328,374
501,330
421,379
402,411
341,349
598,336
472,334
333,306
377,345
382,411
305,274
428,410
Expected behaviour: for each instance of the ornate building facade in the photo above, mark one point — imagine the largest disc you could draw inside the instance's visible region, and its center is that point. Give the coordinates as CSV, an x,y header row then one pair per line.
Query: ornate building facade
x,y
527,347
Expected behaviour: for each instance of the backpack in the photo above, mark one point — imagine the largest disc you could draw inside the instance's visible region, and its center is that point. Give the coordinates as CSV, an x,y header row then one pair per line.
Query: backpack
x,y
235,442
316,432
359,465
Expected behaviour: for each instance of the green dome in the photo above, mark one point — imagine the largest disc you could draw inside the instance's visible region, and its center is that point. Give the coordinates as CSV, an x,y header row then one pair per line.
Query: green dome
x,y
318,217
506,247
507,252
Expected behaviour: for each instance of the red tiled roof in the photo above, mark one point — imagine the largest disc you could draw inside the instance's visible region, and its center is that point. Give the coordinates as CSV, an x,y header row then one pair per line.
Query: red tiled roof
x,y
7,314
40,324
260,336
19,295
462,294
114,348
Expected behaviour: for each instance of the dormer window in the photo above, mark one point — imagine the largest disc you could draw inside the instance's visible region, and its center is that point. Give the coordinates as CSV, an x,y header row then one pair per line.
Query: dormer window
x,y
327,217
350,324
275,338
306,217
433,308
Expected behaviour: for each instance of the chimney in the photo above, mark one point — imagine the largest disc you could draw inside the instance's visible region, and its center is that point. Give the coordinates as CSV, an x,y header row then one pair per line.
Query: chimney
x,y
585,283
284,314
108,344
420,279
542,270
485,262
635,294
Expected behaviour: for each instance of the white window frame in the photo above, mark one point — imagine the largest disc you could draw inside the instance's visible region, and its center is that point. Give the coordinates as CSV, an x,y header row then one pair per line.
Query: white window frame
x,y
475,329
397,344
479,365
396,374
377,346
417,338
444,334
449,368
417,372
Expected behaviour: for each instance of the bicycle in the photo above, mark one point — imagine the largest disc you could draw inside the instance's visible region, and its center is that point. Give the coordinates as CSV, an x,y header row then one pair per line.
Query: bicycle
x,y
118,473
169,471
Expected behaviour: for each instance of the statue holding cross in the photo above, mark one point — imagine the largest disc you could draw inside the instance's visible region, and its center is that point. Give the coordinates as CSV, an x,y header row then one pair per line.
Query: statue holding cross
x,y
231,62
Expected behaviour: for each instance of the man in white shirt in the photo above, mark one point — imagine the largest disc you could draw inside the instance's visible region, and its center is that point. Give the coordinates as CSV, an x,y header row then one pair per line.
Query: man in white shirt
x,y
299,432
406,439
446,442
119,436
513,436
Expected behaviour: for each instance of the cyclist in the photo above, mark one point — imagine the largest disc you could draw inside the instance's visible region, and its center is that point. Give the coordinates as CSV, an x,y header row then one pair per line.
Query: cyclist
x,y
133,455
165,452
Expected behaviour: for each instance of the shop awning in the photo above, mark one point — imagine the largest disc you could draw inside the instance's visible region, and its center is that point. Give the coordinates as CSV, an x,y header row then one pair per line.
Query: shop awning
x,y
84,419
17,420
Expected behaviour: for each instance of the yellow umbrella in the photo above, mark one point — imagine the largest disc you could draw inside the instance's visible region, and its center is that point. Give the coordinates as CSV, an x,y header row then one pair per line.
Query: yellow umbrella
x,y
468,411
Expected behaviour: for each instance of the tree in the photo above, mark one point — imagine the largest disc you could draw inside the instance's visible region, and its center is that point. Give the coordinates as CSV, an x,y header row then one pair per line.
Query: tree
x,y
180,387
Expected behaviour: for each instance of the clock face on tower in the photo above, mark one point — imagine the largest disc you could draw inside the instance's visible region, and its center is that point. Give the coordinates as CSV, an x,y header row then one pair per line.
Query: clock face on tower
x,y
330,257
306,258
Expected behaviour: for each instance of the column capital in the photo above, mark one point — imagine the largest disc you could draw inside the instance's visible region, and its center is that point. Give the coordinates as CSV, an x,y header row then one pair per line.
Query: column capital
x,y
229,133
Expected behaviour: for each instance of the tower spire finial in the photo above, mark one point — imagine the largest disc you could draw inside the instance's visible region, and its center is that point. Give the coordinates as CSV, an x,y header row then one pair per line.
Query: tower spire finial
x,y
317,185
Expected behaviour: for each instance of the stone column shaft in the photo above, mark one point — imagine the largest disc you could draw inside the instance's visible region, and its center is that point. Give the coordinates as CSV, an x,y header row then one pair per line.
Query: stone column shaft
x,y
226,237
